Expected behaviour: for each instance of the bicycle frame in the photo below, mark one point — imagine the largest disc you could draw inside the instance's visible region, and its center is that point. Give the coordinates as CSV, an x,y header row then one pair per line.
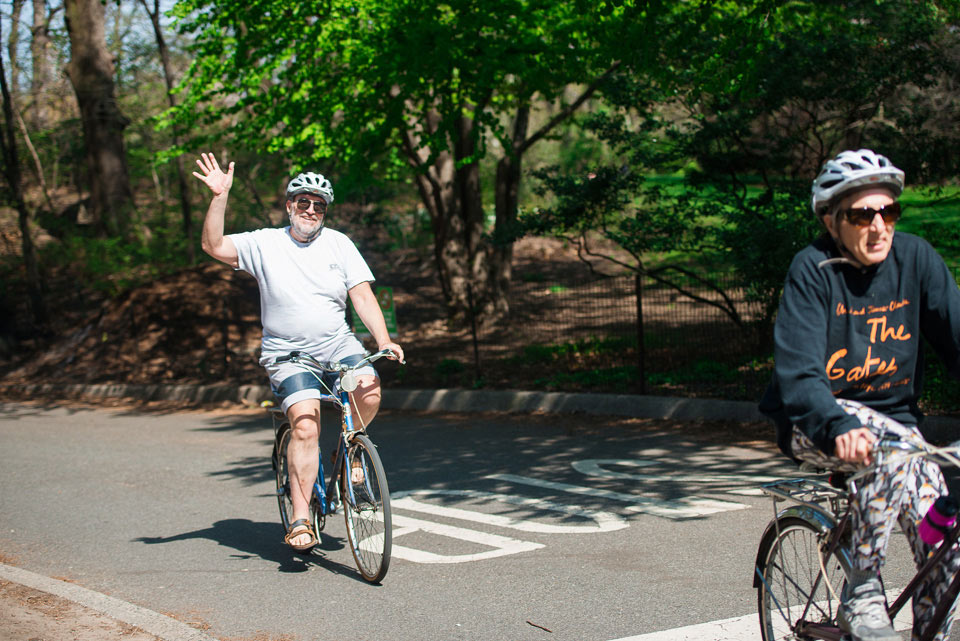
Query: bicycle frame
x,y
357,485
326,491
948,598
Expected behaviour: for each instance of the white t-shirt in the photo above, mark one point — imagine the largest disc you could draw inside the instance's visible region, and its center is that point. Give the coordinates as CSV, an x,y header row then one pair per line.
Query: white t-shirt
x,y
303,290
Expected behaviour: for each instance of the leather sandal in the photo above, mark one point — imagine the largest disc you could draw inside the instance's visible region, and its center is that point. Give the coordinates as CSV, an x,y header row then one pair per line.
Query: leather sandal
x,y
298,528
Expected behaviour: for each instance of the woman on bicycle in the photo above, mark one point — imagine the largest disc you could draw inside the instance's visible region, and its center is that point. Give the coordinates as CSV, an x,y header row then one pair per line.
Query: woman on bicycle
x,y
305,273
849,366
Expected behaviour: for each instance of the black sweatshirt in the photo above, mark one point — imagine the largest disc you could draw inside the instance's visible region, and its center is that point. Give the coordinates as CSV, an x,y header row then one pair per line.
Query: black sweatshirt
x,y
849,332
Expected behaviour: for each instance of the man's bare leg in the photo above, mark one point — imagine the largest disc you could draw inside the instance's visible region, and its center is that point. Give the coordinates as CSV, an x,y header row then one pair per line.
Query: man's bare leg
x,y
302,460
366,398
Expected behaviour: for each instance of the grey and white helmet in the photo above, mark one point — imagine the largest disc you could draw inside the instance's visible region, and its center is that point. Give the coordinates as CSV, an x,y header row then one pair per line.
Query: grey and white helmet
x,y
850,170
310,183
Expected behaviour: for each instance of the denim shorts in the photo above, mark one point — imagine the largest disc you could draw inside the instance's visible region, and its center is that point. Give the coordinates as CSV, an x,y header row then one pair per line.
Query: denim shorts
x,y
296,384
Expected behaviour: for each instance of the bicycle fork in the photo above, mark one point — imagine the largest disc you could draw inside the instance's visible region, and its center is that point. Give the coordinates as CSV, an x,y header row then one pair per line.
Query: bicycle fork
x,y
347,430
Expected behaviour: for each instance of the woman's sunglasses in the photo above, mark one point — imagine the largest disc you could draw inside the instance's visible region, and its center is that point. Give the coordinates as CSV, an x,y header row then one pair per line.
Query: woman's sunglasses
x,y
318,205
863,216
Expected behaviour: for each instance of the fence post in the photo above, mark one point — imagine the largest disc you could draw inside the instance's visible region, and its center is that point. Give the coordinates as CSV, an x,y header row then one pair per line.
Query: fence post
x,y
640,347
473,332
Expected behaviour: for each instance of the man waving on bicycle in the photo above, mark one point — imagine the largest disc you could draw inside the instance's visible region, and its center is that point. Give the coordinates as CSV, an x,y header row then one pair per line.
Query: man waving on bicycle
x,y
305,273
848,368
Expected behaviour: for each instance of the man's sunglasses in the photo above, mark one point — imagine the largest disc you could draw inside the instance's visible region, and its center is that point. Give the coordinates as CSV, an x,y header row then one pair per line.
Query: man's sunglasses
x,y
863,216
319,206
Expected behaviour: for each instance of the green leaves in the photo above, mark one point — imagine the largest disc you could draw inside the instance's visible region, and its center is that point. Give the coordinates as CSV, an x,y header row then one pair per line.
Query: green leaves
x,y
376,69
741,102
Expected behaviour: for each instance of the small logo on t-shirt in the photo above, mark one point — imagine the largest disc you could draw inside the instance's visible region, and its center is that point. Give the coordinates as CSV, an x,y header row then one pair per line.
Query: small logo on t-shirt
x,y
335,267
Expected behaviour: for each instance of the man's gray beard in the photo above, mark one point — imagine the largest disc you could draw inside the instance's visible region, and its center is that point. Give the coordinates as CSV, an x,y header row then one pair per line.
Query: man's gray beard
x,y
295,226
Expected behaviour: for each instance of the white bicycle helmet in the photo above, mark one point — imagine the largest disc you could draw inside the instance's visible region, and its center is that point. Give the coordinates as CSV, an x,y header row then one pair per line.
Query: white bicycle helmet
x,y
852,169
310,183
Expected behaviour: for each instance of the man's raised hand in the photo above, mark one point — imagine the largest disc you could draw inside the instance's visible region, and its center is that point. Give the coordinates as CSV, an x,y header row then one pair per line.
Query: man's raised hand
x,y
212,176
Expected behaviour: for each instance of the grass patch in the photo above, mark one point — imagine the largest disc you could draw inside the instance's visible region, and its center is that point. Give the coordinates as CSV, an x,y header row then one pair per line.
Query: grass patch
x,y
704,370
935,216
941,394
614,379
593,346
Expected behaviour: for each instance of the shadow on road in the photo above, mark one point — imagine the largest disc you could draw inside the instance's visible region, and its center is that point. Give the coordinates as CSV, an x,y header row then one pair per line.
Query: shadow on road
x,y
263,540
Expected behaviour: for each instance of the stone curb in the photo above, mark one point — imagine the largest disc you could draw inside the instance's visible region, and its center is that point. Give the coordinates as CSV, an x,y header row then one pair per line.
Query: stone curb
x,y
159,625
935,428
939,428
636,406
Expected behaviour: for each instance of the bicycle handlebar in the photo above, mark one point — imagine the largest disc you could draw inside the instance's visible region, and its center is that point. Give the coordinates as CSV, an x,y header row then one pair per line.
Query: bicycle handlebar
x,y
889,445
304,358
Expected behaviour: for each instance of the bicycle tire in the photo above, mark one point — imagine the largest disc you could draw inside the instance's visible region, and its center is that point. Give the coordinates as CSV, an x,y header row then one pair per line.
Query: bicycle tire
x,y
789,565
285,503
366,509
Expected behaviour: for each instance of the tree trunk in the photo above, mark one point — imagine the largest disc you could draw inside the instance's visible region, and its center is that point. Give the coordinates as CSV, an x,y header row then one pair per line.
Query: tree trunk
x,y
91,72
452,196
13,44
466,258
39,51
11,167
467,262
507,195
474,294
168,78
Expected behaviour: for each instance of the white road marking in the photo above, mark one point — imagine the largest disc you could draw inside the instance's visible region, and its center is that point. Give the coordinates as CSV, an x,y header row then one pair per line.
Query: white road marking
x,y
743,628
604,521
682,508
147,620
501,545
594,467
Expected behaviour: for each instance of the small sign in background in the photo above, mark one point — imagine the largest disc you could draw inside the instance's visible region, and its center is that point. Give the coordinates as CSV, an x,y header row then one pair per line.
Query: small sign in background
x,y
385,298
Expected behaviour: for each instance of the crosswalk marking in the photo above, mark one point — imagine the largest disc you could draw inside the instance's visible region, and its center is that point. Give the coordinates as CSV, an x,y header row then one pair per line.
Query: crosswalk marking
x,y
501,545
681,508
602,521
744,628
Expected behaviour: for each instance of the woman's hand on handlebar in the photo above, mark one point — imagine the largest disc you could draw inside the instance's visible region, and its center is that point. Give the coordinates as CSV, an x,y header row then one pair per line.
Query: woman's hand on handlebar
x,y
855,446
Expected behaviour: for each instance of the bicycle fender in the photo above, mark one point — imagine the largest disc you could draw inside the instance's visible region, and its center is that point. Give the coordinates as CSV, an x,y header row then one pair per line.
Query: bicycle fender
x,y
276,454
823,522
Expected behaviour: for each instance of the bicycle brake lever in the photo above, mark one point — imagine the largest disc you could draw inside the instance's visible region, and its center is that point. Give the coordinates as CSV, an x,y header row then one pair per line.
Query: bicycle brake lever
x,y
293,356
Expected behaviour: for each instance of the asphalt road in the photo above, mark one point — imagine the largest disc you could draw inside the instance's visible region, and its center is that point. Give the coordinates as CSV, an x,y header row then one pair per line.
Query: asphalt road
x,y
506,527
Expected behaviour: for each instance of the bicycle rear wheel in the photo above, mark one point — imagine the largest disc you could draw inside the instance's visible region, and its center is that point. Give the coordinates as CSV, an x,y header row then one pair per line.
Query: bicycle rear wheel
x,y
366,508
283,487
790,569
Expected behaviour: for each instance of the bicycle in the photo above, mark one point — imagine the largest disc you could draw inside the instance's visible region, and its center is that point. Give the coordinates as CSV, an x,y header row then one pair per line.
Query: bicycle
x,y
803,558
357,480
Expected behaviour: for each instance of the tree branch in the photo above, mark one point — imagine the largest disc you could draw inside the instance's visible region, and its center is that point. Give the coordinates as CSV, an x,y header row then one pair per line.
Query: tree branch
x,y
38,167
568,110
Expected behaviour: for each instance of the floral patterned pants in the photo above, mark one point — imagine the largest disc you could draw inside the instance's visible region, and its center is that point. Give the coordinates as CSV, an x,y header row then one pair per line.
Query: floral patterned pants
x,y
904,490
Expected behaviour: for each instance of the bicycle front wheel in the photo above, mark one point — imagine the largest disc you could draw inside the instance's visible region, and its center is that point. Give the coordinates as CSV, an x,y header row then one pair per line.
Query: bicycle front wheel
x,y
366,508
793,587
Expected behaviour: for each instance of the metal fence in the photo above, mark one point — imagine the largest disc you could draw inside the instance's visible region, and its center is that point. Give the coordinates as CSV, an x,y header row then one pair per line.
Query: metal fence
x,y
609,316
